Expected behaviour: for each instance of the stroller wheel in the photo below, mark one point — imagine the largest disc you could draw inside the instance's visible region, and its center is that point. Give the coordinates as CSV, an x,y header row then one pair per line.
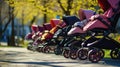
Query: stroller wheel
x,y
73,54
82,54
94,55
119,54
114,54
29,47
46,49
58,51
66,53
39,49
102,53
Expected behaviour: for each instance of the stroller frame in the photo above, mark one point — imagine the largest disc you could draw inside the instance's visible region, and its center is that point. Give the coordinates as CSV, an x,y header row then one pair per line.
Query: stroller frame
x,y
97,44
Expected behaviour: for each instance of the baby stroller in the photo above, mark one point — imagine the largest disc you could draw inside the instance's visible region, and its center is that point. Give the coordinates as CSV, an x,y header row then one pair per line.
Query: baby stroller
x,y
46,38
56,34
37,34
39,31
62,33
36,31
72,42
95,45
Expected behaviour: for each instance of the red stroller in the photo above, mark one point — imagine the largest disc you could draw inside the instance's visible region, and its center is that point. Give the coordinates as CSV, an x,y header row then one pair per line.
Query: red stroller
x,y
47,37
37,32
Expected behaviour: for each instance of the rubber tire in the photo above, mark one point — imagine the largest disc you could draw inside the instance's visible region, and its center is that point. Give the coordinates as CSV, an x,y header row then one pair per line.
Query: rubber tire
x,y
82,54
46,49
114,54
94,56
102,53
57,51
65,53
73,54
39,49
29,47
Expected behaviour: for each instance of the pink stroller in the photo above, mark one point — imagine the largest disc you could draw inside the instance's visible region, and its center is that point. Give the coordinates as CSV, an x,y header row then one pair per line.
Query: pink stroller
x,y
93,21
38,30
34,30
99,22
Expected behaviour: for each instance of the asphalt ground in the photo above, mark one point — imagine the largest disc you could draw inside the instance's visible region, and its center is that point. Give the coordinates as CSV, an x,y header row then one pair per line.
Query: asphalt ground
x,y
21,57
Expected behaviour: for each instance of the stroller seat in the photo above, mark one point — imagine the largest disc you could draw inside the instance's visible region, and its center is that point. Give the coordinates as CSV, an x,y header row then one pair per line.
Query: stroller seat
x,y
111,28
106,39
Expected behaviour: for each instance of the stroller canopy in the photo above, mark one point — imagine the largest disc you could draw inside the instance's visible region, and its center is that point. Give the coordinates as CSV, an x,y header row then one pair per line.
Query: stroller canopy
x,y
54,22
47,26
34,28
41,28
70,20
106,4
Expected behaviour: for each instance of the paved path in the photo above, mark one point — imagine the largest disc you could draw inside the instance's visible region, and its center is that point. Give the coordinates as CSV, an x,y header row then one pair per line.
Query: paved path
x,y
21,57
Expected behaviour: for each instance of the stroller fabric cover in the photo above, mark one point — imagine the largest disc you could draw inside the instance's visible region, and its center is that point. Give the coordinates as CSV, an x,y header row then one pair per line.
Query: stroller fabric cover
x,y
49,35
41,28
70,20
96,23
47,26
34,28
29,36
54,22
87,13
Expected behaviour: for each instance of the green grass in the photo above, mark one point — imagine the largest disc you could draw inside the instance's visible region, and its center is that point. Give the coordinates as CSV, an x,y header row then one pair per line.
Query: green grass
x,y
107,53
4,46
1,46
115,37
25,44
21,44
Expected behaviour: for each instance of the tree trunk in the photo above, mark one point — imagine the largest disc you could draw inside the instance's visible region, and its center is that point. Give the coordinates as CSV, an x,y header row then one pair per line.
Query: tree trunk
x,y
12,33
12,38
69,3
31,23
45,17
0,20
0,24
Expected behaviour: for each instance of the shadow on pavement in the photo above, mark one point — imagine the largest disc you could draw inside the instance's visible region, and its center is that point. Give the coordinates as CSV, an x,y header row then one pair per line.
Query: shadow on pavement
x,y
113,62
8,57
51,64
110,62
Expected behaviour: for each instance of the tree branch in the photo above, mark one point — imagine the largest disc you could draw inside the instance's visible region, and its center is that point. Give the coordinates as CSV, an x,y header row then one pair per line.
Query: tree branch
x,y
69,2
59,1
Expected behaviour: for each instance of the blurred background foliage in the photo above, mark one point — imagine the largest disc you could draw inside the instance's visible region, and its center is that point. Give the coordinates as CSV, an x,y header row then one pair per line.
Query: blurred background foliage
x,y
37,8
